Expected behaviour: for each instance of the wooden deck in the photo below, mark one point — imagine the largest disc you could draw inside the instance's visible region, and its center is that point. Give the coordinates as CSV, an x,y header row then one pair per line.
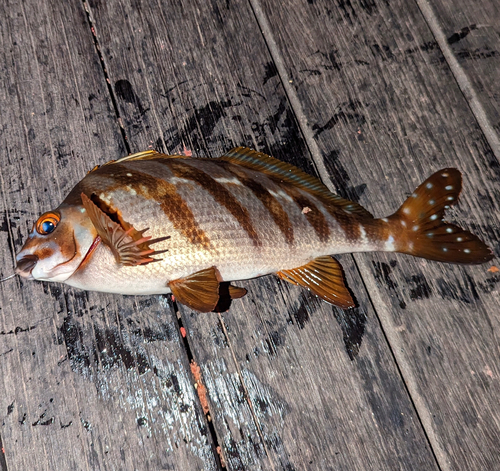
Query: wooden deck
x,y
370,95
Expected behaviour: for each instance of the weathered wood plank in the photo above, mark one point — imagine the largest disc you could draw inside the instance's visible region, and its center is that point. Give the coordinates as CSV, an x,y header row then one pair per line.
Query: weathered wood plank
x,y
282,391
470,33
384,111
88,381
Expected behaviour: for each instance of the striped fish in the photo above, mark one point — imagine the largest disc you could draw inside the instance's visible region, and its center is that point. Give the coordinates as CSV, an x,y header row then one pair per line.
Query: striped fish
x,y
152,223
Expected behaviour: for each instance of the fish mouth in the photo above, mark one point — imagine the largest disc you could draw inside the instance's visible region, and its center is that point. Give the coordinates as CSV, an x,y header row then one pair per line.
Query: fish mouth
x,y
26,264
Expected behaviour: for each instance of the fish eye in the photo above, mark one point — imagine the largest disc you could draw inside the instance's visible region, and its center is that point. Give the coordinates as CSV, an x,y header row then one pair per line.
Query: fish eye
x,y
47,223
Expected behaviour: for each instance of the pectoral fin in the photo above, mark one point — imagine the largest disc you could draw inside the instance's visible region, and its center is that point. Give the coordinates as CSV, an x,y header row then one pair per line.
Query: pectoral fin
x,y
198,291
324,277
129,246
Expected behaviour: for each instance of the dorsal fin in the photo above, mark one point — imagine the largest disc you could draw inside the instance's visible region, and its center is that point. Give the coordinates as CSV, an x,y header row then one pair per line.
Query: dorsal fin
x,y
148,155
288,173
144,155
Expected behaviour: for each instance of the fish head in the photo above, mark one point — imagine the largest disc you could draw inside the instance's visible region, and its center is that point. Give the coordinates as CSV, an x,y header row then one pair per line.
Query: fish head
x,y
57,244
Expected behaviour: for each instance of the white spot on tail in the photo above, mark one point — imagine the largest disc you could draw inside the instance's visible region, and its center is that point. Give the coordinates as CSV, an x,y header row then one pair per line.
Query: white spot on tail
x,y
406,210
433,217
389,244
385,219
231,181
432,202
450,198
445,175
449,230
445,249
459,239
467,250
403,223
449,187
429,185
129,174
415,228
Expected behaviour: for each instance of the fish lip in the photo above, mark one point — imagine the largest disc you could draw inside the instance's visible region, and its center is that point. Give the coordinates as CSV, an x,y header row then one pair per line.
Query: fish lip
x,y
25,265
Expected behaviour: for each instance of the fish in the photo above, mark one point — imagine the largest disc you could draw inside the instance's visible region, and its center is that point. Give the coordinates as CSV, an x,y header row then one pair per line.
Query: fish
x,y
151,223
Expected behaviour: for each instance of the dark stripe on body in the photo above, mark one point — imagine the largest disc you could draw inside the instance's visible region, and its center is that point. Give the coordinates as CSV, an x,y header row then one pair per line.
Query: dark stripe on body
x,y
280,217
349,223
171,203
314,217
219,193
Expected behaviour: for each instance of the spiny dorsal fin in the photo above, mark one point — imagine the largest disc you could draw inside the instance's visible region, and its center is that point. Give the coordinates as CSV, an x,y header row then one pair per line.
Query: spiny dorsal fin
x,y
147,155
324,277
144,155
288,173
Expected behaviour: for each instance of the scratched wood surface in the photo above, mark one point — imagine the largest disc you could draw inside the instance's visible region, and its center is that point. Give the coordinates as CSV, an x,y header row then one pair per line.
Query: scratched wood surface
x,y
103,382
384,110
472,30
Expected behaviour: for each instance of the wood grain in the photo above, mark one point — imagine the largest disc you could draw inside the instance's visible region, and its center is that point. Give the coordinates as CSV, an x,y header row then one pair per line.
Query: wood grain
x,y
384,111
88,381
472,35
283,393
98,381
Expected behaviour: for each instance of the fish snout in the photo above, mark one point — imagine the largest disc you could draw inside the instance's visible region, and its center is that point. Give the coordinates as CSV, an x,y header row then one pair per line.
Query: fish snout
x,y
26,264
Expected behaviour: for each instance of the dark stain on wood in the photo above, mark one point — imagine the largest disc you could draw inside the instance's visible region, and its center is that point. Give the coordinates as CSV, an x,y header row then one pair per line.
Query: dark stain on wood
x,y
341,179
347,112
353,324
421,288
459,35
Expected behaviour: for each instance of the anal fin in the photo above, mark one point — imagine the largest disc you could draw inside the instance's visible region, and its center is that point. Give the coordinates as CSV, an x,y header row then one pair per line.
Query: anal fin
x,y
324,277
199,291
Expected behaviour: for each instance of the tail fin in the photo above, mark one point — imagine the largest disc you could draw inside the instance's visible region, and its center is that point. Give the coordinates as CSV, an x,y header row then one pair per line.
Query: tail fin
x,y
424,233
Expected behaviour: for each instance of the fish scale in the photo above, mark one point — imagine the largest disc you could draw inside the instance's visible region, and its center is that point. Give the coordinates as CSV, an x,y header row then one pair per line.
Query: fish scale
x,y
152,224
